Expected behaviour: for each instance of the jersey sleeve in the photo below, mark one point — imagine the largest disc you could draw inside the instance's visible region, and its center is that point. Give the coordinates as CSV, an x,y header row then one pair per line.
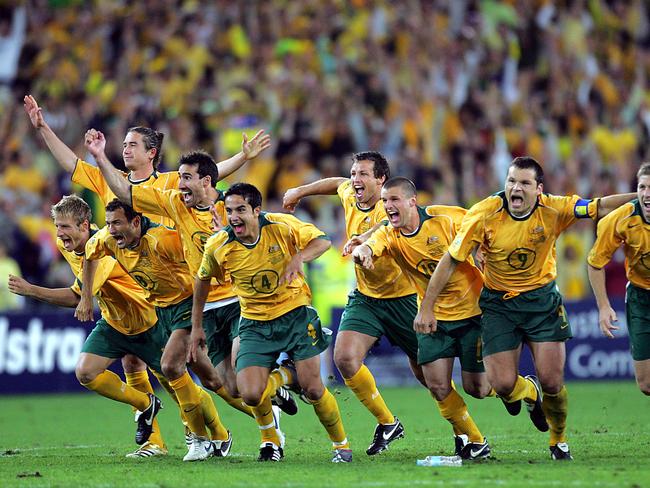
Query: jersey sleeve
x,y
470,232
607,242
210,266
148,199
572,208
91,178
104,270
96,247
345,191
378,242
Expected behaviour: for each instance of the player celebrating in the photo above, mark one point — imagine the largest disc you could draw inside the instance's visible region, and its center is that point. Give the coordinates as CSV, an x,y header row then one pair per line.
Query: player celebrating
x,y
417,238
263,253
384,302
153,256
628,225
127,325
517,229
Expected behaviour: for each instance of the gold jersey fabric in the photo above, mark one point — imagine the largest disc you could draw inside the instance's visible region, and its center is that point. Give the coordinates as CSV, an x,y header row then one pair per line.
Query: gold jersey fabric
x,y
519,252
91,177
121,301
255,269
156,263
193,225
386,280
626,226
419,253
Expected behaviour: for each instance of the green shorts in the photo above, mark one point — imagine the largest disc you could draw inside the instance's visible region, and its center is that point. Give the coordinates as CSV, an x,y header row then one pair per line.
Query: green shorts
x,y
174,317
298,333
536,316
637,312
107,342
221,326
454,338
390,317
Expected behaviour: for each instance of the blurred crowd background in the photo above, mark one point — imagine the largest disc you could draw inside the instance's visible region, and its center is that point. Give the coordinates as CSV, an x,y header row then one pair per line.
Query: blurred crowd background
x,y
449,90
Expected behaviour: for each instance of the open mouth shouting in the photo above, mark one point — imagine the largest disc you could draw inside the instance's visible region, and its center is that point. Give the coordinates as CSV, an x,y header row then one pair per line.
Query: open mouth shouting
x,y
393,217
359,192
187,196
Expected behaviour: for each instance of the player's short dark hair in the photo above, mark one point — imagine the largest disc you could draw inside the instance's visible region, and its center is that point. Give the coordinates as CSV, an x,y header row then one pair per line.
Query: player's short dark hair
x,y
72,206
129,213
152,139
380,165
407,186
205,165
526,162
644,170
248,192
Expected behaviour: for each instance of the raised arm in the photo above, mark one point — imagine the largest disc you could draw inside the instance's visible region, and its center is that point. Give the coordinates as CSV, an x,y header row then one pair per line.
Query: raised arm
x,y
425,322
62,153
606,314
612,202
249,150
95,143
63,297
197,337
326,186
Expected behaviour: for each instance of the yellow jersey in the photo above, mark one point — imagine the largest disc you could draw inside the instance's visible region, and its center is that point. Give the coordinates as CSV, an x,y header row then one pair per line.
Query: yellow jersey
x,y
194,226
91,177
255,269
121,301
386,280
626,226
519,252
419,253
156,263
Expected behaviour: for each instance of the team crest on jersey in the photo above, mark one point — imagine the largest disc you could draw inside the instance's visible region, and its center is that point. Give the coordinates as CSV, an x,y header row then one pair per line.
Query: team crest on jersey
x,y
274,248
432,239
537,235
275,254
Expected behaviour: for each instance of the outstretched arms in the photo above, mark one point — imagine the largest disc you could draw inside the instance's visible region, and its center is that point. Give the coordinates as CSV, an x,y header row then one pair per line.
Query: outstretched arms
x,y
62,153
96,142
249,150
326,186
63,297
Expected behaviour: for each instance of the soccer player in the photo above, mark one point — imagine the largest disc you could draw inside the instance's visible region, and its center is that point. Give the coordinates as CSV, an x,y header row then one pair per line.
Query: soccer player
x,y
192,208
127,324
416,239
263,253
384,303
517,229
141,153
628,225
152,254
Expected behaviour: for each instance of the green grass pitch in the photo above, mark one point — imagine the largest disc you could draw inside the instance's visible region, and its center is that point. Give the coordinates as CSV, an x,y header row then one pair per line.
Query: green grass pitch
x,y
81,439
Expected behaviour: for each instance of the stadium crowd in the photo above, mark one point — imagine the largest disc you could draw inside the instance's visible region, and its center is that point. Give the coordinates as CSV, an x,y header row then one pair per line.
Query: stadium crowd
x,y
449,91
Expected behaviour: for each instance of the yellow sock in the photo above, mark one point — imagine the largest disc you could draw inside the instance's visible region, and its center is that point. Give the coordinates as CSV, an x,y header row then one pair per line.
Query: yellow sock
x,y
109,385
264,417
283,376
140,381
236,403
189,399
453,408
457,430
329,415
211,417
364,387
556,408
165,384
523,390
